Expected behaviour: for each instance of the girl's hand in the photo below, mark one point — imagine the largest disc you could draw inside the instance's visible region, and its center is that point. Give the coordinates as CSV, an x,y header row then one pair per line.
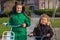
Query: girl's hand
x,y
24,25
4,24
48,35
31,34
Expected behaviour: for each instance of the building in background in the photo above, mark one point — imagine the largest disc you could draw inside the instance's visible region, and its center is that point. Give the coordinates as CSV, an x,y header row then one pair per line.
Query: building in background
x,y
41,4
33,4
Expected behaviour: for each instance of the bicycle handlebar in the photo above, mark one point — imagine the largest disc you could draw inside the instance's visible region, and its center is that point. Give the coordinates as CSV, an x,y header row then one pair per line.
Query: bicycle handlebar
x,y
15,25
5,24
40,36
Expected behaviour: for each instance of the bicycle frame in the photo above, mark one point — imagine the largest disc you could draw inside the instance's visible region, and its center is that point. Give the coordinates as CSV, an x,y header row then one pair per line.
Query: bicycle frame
x,y
9,35
42,37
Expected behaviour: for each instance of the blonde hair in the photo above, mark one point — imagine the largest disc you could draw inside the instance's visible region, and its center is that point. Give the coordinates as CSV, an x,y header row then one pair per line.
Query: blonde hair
x,y
48,19
46,16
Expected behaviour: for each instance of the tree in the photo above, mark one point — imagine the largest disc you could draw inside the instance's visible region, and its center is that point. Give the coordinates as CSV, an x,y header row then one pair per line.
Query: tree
x,y
2,3
59,3
48,3
44,4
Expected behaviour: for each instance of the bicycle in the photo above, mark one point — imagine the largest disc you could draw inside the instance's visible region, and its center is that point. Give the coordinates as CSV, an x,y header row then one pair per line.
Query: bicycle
x,y
9,35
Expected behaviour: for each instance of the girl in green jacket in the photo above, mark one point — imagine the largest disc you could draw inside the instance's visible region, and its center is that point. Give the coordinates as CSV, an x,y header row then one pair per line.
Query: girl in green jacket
x,y
18,18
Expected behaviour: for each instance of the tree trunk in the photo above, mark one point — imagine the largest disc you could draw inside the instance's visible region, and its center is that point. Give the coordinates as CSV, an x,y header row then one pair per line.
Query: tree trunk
x,y
48,4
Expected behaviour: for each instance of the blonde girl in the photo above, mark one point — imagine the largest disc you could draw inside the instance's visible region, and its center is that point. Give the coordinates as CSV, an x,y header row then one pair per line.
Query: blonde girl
x,y
43,28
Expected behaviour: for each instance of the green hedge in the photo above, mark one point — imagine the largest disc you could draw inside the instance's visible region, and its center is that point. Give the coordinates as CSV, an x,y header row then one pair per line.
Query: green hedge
x,y
46,11
38,12
9,0
29,12
49,12
6,12
58,9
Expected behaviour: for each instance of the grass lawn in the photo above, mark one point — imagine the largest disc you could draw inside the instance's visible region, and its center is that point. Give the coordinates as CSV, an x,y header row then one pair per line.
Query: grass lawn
x,y
3,28
55,23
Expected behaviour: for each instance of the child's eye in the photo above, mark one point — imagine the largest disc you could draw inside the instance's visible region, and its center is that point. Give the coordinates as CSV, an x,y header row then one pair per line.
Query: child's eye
x,y
18,8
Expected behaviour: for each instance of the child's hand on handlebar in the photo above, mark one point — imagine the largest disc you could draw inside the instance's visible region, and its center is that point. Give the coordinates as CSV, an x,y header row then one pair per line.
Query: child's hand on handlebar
x,y
24,25
4,24
48,35
30,35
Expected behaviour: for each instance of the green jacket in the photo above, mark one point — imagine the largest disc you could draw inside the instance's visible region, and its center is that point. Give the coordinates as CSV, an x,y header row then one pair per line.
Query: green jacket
x,y
19,19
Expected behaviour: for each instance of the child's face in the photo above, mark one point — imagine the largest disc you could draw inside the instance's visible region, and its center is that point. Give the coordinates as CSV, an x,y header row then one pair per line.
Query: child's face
x,y
19,8
44,20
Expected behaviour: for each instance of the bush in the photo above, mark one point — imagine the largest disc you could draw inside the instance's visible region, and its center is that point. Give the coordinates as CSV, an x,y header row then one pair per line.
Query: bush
x,y
6,12
9,0
58,10
39,12
46,11
49,12
29,12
